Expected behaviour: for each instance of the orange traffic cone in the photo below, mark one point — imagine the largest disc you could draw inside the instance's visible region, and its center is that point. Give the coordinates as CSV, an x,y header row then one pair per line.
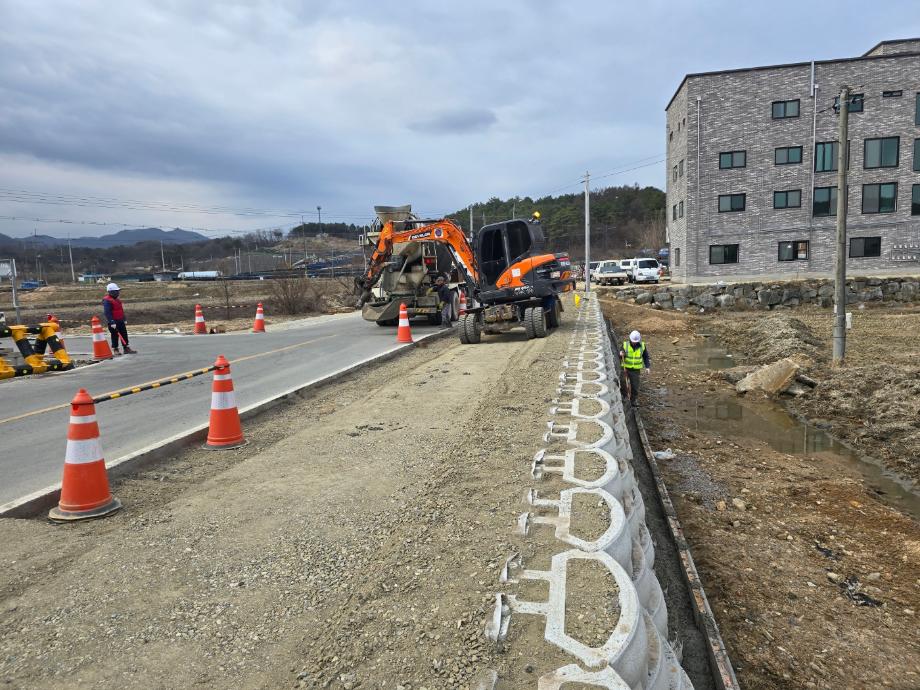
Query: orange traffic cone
x,y
403,333
200,325
101,347
258,326
462,303
225,431
85,486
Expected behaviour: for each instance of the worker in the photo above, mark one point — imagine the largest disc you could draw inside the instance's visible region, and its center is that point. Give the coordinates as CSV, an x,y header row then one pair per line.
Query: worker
x,y
634,358
115,316
445,300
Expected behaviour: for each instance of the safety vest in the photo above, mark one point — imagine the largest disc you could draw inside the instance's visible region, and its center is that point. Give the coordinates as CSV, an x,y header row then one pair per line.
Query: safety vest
x,y
633,358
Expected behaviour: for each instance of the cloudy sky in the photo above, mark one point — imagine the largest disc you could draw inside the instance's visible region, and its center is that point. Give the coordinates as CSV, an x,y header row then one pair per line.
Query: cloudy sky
x,y
239,115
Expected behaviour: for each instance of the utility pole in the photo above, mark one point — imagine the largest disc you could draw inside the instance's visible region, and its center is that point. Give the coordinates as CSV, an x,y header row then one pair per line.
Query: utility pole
x,y
73,275
15,296
162,256
513,209
840,274
471,220
587,232
303,230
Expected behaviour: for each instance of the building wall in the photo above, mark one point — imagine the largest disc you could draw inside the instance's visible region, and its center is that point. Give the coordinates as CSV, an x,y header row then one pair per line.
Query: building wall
x,y
736,115
676,139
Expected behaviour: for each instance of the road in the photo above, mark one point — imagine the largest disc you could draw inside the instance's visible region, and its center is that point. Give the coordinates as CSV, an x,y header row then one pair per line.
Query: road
x,y
33,437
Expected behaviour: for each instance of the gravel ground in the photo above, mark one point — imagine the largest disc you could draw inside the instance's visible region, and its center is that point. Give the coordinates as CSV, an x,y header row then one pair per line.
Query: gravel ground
x,y
355,542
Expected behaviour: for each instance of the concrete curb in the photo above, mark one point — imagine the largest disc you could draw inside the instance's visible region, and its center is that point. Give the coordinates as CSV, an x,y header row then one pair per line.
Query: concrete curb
x,y
44,499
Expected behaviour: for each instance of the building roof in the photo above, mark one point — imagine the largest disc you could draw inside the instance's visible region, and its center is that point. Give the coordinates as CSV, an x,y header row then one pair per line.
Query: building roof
x,y
866,56
893,42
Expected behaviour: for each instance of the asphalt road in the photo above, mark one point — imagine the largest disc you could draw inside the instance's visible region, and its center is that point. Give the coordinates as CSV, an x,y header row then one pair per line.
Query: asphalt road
x,y
33,437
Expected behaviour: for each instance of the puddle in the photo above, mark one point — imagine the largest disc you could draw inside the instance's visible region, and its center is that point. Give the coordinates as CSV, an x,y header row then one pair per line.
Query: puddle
x,y
768,422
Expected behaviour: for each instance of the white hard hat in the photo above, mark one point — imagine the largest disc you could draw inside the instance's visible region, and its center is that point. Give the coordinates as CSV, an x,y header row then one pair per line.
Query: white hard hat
x,y
111,286
635,337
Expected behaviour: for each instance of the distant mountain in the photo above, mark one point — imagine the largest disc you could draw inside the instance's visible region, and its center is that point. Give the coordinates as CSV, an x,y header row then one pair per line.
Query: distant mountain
x,y
121,238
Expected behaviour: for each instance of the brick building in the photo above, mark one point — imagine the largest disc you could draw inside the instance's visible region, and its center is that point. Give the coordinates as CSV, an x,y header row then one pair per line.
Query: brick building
x,y
752,168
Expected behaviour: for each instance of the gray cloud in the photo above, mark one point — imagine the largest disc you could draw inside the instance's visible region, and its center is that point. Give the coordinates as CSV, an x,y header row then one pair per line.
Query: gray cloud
x,y
286,104
462,121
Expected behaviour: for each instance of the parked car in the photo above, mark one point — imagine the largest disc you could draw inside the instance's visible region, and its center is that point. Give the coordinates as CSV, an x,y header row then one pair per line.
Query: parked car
x,y
627,265
610,273
646,271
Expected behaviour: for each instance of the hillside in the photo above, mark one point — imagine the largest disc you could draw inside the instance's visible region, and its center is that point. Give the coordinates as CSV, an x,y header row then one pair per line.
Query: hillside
x,y
624,219
117,239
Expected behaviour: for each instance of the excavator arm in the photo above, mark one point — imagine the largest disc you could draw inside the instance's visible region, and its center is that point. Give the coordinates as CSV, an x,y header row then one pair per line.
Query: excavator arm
x,y
444,231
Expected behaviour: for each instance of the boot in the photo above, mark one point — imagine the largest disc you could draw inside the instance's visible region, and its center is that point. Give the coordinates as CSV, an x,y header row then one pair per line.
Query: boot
x,y
129,351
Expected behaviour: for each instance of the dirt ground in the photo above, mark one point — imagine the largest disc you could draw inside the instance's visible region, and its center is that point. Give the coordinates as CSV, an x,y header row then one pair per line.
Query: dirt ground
x,y
356,542
873,401
778,537
152,306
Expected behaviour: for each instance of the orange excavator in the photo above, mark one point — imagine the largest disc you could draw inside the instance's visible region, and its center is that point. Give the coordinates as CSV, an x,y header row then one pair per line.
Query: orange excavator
x,y
508,277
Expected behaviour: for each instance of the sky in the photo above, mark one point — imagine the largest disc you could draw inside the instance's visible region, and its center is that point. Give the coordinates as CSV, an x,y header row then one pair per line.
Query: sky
x,y
233,116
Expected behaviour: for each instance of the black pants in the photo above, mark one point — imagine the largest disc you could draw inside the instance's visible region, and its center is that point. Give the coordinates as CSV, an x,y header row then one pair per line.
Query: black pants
x,y
119,328
633,375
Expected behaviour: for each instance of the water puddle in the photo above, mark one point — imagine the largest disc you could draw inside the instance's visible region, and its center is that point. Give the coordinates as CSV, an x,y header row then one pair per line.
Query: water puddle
x,y
726,413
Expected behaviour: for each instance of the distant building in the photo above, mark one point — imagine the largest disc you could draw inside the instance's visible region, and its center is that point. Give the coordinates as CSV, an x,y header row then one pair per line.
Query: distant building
x,y
93,278
165,276
132,277
752,167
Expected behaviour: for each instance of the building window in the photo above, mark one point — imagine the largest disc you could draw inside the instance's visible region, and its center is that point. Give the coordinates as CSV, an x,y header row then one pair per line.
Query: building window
x,y
881,153
892,94
789,199
917,111
723,253
784,109
915,200
732,159
825,201
865,246
674,174
671,135
677,257
916,155
674,212
793,251
680,209
855,105
680,168
826,153
880,198
731,202
787,155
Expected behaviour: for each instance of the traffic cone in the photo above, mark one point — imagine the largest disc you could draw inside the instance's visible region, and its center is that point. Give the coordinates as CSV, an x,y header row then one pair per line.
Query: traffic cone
x,y
258,325
462,303
224,431
85,486
200,325
403,333
101,347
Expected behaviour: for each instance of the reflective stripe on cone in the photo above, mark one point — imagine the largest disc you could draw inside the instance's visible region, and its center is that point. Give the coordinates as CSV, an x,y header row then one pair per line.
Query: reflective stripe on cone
x,y
224,430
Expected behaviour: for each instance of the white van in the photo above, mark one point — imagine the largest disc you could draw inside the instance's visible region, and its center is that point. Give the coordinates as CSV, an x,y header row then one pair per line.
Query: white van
x,y
627,265
646,271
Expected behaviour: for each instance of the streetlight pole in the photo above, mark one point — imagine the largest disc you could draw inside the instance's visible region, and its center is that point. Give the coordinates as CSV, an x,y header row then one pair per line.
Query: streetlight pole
x,y
587,232
73,275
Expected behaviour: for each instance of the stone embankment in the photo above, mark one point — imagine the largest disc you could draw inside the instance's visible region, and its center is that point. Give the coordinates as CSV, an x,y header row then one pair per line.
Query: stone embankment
x,y
769,295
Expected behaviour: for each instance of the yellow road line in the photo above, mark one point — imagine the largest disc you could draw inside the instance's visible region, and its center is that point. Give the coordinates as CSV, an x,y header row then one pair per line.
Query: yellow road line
x,y
174,378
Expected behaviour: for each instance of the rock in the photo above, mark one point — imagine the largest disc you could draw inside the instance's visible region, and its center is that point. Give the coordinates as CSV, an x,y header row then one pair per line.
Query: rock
x,y
796,390
485,680
873,577
739,504
726,301
643,298
720,506
826,290
706,301
663,298
769,297
770,378
735,374
680,302
834,577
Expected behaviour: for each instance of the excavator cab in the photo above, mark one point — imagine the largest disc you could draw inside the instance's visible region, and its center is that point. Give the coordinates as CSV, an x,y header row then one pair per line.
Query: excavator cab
x,y
514,264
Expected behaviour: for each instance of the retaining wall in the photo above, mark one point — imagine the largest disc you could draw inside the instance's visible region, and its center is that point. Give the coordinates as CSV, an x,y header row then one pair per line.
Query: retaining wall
x,y
769,295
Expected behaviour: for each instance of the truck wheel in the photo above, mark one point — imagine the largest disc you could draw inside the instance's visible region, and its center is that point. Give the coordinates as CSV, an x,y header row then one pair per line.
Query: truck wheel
x,y
538,321
461,328
528,323
454,305
472,329
554,315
